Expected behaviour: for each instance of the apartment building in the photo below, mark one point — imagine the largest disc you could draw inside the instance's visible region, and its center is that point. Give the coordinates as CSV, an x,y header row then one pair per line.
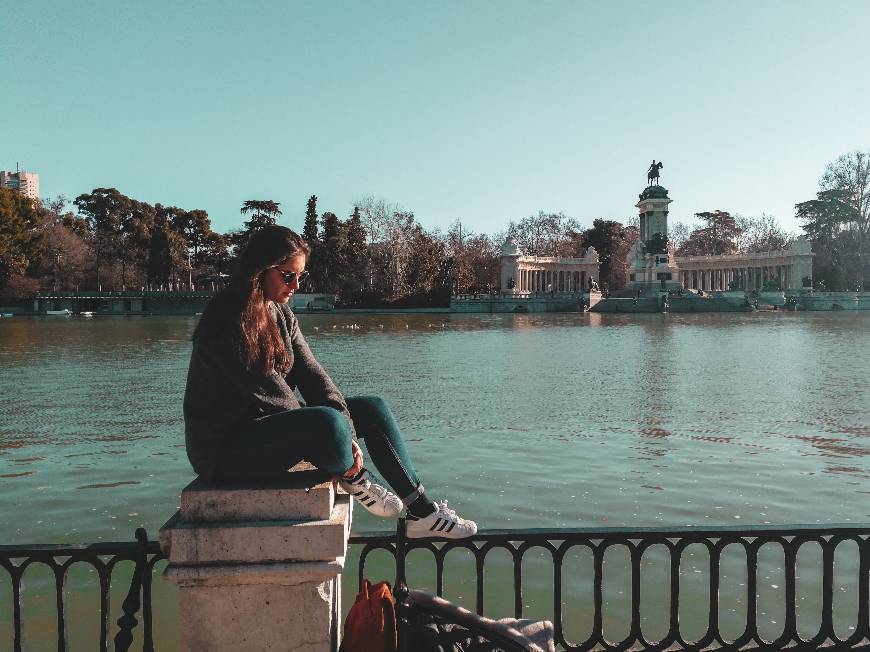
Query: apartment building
x,y
27,183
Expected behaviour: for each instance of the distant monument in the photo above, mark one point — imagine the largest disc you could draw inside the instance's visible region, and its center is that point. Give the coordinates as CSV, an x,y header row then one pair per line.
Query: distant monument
x,y
652,268
652,174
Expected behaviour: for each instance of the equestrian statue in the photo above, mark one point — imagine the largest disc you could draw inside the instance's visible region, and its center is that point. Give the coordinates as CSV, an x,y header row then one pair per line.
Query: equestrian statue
x,y
652,175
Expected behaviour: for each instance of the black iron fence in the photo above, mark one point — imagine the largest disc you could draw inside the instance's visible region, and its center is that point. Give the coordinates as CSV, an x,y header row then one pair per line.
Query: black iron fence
x,y
103,558
824,571
821,550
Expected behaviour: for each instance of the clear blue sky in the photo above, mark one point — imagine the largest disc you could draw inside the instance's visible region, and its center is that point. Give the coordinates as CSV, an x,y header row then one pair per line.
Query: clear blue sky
x,y
487,111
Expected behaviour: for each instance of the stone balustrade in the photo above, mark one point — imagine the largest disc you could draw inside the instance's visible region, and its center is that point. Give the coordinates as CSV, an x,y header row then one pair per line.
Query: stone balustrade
x,y
259,568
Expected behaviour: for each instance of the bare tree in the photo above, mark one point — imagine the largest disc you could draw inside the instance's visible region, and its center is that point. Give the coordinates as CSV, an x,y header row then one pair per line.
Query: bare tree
x,y
475,258
375,214
545,234
762,234
678,233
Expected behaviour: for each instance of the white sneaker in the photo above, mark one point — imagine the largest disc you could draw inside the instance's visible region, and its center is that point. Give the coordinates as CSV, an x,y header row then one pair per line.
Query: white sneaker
x,y
443,523
377,499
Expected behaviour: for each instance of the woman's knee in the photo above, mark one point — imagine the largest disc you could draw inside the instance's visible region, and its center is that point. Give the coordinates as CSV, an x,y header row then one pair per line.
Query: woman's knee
x,y
372,405
330,422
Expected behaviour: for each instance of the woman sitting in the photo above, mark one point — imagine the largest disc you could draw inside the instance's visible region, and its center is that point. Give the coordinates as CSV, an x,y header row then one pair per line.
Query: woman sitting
x,y
244,422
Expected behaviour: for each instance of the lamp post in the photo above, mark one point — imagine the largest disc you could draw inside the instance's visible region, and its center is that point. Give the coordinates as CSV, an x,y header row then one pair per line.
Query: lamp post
x,y
57,257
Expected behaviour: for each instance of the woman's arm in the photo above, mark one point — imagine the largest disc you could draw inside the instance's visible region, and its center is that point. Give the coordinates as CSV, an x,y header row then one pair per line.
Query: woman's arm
x,y
314,383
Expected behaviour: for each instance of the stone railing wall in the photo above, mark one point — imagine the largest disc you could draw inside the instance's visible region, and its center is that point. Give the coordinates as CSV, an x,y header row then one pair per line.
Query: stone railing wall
x,y
259,568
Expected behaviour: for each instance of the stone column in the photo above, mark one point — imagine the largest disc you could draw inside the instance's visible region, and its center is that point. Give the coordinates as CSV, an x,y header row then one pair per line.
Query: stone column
x,y
259,568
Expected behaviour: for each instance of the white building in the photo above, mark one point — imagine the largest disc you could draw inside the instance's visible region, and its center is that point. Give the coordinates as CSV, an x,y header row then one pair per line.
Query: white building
x,y
523,276
27,183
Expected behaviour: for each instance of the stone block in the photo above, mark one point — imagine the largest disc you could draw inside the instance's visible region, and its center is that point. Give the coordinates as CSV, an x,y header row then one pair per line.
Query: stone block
x,y
306,494
258,541
273,607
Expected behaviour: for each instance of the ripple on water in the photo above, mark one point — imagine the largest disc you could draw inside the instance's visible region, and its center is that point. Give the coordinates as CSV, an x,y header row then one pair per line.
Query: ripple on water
x,y
108,485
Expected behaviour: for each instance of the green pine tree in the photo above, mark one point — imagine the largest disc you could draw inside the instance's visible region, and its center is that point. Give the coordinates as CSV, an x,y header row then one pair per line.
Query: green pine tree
x,y
309,231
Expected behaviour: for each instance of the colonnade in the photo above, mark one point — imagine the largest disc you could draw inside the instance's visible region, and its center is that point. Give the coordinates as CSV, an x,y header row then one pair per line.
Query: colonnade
x,y
547,280
753,277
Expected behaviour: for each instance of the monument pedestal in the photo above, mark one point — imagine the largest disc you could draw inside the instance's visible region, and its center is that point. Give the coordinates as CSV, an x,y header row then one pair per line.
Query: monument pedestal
x,y
259,568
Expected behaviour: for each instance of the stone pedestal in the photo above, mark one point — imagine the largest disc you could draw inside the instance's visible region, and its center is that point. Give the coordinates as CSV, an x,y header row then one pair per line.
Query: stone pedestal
x,y
259,568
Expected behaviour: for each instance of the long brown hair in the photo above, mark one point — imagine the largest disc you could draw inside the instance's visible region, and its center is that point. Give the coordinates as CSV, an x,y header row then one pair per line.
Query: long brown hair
x,y
242,304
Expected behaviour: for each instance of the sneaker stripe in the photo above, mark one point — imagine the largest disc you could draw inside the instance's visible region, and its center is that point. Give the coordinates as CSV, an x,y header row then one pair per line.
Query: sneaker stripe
x,y
443,525
435,524
452,525
370,502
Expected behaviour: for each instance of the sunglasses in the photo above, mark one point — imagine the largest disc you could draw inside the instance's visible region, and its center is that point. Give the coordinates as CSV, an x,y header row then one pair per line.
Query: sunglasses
x,y
290,277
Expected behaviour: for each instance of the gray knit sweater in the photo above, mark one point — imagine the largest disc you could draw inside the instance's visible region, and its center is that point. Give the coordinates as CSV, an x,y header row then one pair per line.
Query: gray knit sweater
x,y
221,394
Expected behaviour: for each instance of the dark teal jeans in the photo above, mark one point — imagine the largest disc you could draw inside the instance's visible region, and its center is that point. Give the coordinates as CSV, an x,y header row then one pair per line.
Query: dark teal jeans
x,y
263,449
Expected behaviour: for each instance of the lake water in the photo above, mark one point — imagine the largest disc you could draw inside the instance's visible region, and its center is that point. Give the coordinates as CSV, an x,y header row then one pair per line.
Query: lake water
x,y
547,420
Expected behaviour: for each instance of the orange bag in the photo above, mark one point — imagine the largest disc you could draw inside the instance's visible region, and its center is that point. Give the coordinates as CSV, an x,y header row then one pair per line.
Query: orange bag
x,y
371,622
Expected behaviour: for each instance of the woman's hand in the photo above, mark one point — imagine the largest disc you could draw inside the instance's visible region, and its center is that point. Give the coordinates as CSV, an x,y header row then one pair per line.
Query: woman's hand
x,y
357,464
357,459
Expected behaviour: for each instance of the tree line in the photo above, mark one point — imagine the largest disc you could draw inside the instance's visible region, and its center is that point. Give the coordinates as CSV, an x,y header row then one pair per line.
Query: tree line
x,y
380,254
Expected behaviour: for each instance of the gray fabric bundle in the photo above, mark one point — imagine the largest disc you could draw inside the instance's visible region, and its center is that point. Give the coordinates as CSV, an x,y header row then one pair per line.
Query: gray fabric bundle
x,y
533,635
